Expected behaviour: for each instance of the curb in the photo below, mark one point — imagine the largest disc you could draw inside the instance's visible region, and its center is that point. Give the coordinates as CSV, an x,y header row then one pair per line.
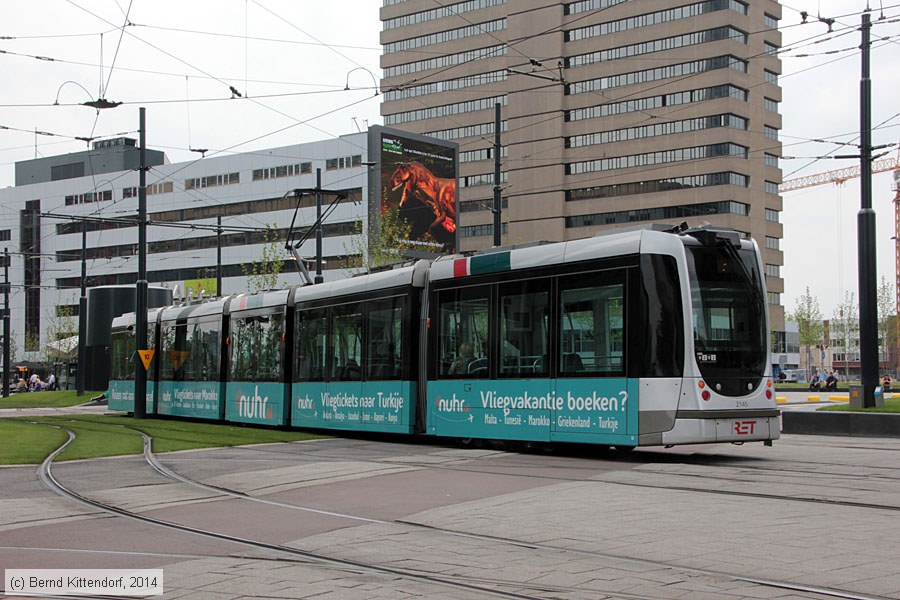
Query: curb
x,y
841,423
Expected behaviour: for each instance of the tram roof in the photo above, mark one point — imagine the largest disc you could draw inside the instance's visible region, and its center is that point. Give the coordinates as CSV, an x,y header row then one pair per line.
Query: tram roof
x,y
212,307
614,243
412,275
127,320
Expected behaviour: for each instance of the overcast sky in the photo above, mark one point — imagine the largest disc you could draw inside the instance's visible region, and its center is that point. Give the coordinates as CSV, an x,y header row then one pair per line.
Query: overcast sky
x,y
291,60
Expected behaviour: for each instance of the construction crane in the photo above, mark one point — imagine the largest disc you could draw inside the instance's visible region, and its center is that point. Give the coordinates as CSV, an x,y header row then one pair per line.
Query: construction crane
x,y
839,176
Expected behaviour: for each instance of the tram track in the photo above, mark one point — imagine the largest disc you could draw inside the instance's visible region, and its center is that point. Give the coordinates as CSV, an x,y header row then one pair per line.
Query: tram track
x,y
46,477
154,462
306,557
508,472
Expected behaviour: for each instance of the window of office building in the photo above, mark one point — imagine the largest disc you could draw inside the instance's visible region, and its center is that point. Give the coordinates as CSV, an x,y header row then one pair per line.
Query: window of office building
x,y
464,132
773,215
212,181
663,100
654,18
772,188
770,76
483,154
448,60
5,235
444,110
482,179
445,36
483,204
656,158
679,41
573,8
657,129
770,21
659,213
343,162
444,86
668,184
69,171
771,160
770,132
282,171
773,270
770,48
481,230
89,197
438,13
679,70
770,104
773,243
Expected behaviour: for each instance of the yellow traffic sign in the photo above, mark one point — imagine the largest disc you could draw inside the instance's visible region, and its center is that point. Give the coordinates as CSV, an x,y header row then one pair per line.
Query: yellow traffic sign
x,y
146,357
177,358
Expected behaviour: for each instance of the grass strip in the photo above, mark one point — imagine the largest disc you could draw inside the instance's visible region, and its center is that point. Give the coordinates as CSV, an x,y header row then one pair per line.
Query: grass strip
x,y
28,440
891,405
58,399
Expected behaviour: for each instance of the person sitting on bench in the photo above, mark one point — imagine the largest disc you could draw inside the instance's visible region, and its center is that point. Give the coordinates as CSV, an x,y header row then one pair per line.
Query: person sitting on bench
x,y
831,382
814,383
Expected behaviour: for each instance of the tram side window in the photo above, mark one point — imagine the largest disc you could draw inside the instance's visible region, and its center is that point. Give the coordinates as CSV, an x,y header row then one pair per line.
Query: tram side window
x,y
202,360
173,351
312,326
524,329
123,349
346,341
385,339
463,317
256,348
592,326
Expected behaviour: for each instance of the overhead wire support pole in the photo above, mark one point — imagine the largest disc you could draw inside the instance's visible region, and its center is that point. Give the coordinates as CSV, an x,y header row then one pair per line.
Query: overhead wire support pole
x,y
140,298
868,302
219,255
497,199
81,373
6,327
319,277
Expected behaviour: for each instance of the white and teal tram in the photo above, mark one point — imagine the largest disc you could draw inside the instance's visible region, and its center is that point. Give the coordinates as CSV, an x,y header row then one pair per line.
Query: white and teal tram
x,y
635,338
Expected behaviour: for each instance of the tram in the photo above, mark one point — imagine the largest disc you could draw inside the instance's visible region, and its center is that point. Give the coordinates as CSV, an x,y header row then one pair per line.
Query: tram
x,y
647,337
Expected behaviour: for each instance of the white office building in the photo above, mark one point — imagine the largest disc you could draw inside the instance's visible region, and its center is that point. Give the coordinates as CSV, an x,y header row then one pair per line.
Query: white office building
x,y
252,194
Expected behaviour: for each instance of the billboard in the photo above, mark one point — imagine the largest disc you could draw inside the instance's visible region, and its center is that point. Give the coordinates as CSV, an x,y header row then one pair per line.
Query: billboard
x,y
414,193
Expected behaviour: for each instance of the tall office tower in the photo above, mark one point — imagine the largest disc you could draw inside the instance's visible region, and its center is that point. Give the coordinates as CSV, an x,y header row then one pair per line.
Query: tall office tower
x,y
614,112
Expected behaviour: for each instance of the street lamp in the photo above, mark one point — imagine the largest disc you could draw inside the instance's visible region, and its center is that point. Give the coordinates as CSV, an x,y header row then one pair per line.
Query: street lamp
x,y
347,83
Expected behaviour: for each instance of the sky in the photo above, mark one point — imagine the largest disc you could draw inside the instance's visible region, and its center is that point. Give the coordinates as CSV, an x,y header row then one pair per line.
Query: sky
x,y
291,60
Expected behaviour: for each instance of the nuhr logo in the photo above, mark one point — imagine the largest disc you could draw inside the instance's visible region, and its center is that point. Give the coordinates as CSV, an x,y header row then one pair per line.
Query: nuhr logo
x,y
255,406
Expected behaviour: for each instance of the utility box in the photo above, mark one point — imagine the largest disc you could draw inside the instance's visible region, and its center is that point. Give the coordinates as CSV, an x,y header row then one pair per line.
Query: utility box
x,y
856,397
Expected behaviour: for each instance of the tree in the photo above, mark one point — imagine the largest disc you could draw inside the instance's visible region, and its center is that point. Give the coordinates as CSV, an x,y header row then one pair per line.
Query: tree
x,y
388,238
886,309
263,274
61,324
808,316
846,328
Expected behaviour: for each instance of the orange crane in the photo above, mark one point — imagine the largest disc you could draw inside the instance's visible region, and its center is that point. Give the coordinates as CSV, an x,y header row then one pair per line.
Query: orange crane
x,y
839,176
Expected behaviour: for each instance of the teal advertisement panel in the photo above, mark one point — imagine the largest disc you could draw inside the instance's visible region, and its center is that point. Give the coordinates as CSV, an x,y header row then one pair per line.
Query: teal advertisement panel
x,y
260,403
121,396
385,406
591,411
194,399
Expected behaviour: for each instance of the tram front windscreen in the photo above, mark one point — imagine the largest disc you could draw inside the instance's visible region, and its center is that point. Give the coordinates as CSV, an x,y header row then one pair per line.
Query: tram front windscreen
x,y
728,304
